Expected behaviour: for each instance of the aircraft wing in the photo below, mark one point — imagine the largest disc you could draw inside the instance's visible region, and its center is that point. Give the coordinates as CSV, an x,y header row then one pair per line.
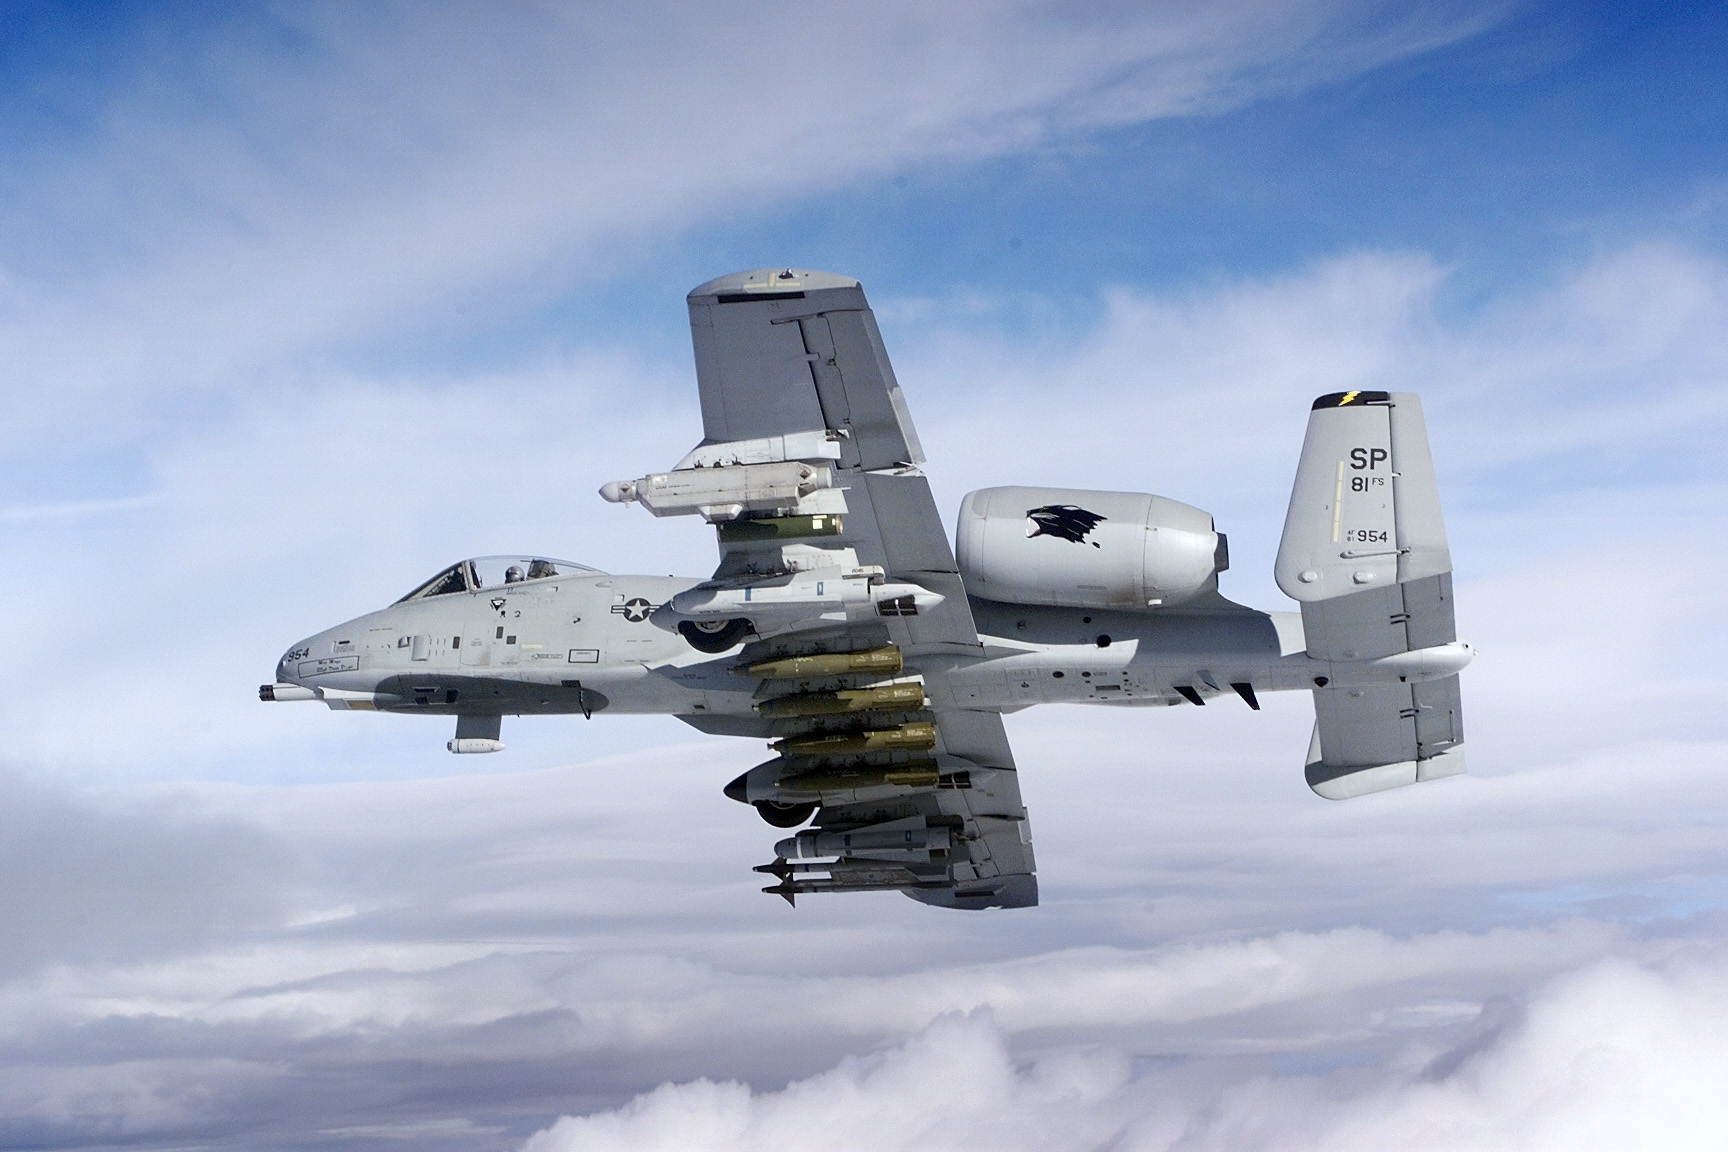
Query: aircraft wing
x,y
782,354
779,355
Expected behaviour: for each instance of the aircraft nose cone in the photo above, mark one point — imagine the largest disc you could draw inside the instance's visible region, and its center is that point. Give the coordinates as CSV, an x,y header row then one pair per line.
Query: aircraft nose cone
x,y
288,668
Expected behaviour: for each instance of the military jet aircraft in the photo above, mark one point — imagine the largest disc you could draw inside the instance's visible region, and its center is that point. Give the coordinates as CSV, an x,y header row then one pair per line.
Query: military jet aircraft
x,y
879,661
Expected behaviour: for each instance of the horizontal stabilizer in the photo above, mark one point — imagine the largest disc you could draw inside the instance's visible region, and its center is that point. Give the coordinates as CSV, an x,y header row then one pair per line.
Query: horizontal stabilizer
x,y
1371,739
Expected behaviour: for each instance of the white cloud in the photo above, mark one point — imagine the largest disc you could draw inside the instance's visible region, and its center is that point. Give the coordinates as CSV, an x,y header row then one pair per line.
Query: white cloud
x,y
74,509
953,1086
1622,363
1200,396
83,879
1614,1056
503,947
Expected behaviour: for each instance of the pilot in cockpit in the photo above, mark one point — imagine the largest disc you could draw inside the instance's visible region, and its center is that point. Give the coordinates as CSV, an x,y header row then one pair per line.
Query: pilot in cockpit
x,y
513,575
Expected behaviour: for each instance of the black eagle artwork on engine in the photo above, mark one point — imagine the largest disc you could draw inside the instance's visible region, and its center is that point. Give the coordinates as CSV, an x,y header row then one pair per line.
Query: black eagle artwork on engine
x,y
1064,521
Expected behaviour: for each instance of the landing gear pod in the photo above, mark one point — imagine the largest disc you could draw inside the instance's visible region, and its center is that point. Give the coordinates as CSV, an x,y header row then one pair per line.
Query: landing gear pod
x,y
714,636
784,815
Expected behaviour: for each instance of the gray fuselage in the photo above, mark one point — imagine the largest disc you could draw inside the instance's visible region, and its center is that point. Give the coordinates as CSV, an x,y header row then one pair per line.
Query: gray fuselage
x,y
593,642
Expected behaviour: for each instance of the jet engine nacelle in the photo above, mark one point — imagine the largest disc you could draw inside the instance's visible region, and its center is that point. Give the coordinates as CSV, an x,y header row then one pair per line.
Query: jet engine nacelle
x,y
1081,549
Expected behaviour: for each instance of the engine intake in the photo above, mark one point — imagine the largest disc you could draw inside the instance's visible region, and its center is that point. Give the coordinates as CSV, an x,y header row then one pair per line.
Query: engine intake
x,y
1082,549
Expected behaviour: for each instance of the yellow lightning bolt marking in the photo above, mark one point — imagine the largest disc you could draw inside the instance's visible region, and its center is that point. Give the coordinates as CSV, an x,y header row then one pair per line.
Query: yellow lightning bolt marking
x,y
1349,396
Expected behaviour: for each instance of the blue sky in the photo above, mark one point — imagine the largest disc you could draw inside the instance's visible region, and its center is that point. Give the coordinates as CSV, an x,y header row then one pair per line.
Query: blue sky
x,y
300,302
1509,155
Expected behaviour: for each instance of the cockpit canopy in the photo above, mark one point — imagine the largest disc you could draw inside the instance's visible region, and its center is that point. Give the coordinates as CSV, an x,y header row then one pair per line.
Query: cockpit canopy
x,y
484,573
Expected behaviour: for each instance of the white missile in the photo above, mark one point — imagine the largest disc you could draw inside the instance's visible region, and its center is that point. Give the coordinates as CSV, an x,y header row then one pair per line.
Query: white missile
x,y
722,493
805,599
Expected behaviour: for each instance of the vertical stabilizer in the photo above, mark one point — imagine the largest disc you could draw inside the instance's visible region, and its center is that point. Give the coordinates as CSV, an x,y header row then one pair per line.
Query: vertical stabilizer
x,y
1365,510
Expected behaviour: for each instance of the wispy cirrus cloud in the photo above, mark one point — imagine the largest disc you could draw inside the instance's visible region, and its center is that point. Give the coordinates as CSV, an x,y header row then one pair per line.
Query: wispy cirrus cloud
x,y
75,509
271,194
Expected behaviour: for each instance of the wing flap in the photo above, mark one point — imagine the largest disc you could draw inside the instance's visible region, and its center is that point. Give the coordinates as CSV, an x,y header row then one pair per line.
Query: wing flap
x,y
908,527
